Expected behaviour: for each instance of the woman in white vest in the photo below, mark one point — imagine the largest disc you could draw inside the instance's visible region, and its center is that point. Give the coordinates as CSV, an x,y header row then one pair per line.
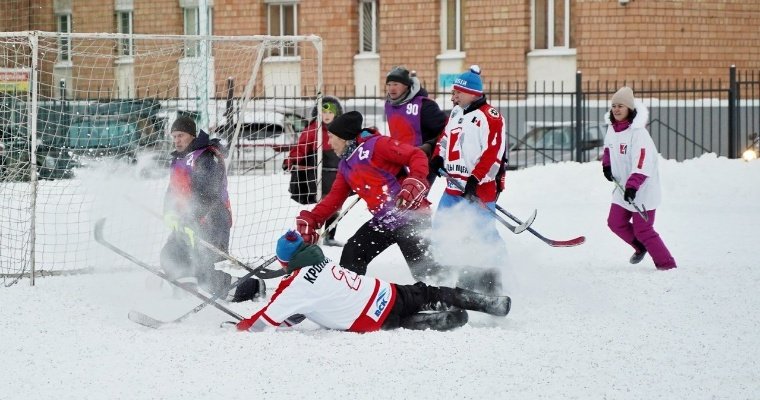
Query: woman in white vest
x,y
631,158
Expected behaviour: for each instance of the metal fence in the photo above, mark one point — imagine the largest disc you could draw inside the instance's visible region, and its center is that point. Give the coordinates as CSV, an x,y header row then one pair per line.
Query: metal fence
x,y
686,118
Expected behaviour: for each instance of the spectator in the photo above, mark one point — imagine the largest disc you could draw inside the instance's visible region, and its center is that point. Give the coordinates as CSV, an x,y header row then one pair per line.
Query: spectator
x,y
631,156
302,163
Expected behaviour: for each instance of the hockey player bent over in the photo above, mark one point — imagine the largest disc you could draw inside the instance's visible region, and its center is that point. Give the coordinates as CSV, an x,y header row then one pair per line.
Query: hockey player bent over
x,y
333,297
370,165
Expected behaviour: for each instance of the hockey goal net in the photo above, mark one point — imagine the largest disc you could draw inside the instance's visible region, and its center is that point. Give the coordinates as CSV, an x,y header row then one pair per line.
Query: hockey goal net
x,y
84,121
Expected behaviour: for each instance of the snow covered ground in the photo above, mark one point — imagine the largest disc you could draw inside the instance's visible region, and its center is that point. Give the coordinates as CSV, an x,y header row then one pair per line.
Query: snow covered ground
x,y
584,324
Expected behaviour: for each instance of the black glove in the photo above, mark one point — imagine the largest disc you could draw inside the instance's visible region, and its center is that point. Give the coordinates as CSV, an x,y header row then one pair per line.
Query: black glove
x,y
607,172
285,165
630,194
471,188
436,163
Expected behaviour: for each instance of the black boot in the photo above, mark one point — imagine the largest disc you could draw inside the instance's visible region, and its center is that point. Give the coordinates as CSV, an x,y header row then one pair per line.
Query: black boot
x,y
640,252
252,289
487,281
441,297
469,300
437,321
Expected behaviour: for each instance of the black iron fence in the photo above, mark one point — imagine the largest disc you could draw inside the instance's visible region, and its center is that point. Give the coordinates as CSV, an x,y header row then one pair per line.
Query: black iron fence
x,y
550,122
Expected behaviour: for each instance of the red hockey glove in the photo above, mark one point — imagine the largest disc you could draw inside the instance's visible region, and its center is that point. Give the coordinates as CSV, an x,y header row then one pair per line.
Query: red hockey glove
x,y
307,226
412,193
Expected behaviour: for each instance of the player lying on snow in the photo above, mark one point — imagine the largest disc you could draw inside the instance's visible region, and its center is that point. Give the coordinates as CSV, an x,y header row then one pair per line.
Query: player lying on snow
x,y
334,297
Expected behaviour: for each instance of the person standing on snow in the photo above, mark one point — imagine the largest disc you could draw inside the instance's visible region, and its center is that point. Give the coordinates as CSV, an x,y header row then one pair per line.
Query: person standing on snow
x,y
412,117
197,206
370,167
471,151
336,298
302,162
631,159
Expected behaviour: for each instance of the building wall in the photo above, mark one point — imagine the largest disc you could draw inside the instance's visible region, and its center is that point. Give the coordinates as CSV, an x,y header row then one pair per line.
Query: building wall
x,y
666,39
641,41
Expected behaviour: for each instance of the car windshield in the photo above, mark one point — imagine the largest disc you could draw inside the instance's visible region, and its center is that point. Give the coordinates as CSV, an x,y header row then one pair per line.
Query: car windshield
x,y
257,131
102,134
548,138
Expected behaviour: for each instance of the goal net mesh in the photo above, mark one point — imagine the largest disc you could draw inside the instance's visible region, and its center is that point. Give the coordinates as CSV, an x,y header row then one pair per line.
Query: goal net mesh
x,y
84,127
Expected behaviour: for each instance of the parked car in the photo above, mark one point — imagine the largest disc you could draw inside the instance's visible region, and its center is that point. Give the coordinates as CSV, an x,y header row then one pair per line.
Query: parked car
x,y
264,139
52,163
553,142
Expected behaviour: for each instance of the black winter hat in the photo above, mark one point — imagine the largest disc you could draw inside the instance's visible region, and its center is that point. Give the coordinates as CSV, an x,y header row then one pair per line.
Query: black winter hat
x,y
185,124
347,126
399,74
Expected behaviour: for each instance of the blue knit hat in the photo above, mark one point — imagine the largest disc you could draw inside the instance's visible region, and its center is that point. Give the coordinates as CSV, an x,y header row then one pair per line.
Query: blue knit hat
x,y
287,246
470,82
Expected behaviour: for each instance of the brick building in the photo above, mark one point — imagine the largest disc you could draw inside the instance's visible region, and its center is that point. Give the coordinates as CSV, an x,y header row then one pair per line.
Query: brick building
x,y
512,40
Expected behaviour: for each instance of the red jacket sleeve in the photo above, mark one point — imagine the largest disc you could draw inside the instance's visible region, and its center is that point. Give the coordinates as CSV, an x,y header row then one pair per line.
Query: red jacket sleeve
x,y
490,155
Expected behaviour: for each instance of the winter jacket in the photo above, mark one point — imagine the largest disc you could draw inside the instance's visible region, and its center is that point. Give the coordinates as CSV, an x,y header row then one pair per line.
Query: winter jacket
x,y
633,157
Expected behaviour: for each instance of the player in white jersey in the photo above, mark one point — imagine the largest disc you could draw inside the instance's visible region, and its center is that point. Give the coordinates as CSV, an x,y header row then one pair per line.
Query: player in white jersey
x,y
336,298
471,151
631,158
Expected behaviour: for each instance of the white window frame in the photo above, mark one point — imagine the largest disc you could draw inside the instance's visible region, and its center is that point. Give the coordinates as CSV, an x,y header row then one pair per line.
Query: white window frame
x,y
64,44
458,37
191,26
126,46
282,50
550,25
373,28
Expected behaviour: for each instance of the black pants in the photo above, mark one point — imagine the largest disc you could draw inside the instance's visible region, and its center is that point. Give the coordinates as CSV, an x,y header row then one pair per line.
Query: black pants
x,y
369,241
411,299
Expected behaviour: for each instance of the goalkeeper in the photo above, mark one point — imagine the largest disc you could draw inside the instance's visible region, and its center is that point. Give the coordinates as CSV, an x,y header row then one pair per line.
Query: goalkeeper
x,y
197,206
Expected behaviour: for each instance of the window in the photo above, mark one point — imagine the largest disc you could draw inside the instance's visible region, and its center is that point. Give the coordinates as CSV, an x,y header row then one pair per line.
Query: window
x,y
124,25
64,42
368,26
551,24
282,22
192,27
452,36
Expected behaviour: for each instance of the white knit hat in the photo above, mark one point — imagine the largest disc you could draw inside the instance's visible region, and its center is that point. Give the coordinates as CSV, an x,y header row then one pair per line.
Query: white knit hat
x,y
624,96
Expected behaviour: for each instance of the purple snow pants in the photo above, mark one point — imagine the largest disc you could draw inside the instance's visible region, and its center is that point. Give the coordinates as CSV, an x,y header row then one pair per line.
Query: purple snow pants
x,y
629,226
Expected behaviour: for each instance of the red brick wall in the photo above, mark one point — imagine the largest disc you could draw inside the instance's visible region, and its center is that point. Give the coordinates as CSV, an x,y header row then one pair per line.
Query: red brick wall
x,y
666,39
644,40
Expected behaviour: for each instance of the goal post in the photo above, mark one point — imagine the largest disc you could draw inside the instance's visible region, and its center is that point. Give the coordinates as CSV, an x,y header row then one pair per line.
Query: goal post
x,y
84,134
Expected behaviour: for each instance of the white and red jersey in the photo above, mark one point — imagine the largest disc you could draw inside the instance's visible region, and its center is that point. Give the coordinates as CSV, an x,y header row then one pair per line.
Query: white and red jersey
x,y
474,143
632,151
328,295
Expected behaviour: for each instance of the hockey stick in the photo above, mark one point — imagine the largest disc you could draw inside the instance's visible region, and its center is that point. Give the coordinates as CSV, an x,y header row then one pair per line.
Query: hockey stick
x,y
98,230
150,322
261,273
551,242
642,213
515,229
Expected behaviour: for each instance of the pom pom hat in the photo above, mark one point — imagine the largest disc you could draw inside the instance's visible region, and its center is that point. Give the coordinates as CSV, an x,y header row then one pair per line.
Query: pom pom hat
x,y
287,246
624,96
470,82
